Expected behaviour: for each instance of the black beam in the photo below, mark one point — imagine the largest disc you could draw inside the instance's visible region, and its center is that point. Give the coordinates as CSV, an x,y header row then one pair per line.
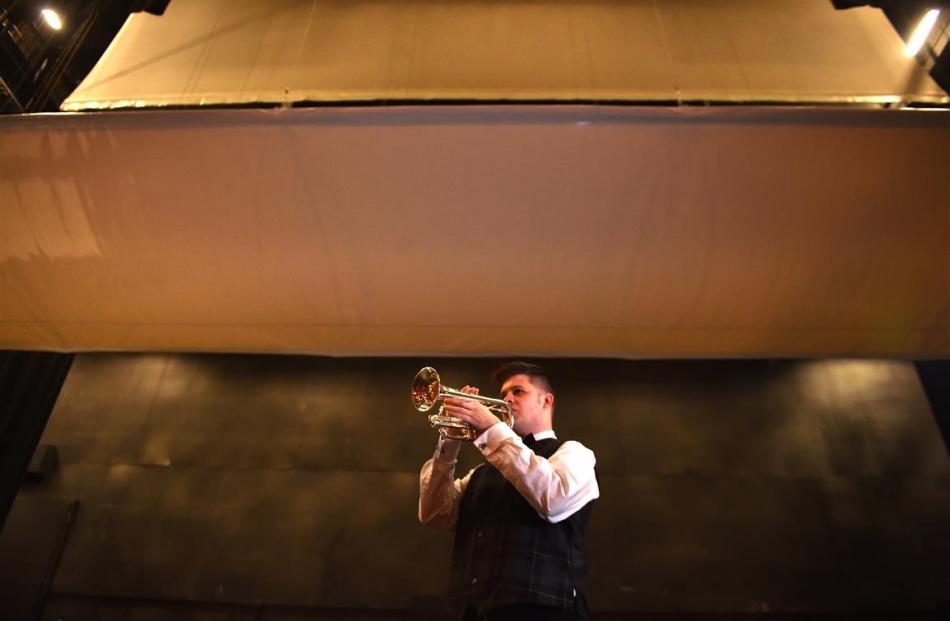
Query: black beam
x,y
29,385
935,378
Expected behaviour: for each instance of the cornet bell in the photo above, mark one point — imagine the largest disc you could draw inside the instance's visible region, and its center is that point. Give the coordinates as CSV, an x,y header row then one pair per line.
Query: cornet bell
x,y
425,389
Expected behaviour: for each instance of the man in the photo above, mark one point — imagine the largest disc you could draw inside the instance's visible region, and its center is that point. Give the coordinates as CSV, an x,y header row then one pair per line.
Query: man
x,y
519,519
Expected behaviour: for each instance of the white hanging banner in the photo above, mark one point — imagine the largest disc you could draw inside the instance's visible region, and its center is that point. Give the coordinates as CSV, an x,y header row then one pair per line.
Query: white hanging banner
x,y
457,230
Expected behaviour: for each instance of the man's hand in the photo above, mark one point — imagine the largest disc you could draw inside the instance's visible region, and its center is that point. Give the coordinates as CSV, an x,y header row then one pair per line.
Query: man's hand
x,y
470,411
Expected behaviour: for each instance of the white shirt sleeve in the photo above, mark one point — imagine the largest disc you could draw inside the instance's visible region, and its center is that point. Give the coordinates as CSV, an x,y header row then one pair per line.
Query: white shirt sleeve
x,y
556,487
439,493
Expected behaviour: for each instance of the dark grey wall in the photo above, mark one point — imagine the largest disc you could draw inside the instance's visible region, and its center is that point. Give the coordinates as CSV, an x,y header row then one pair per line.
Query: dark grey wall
x,y
292,482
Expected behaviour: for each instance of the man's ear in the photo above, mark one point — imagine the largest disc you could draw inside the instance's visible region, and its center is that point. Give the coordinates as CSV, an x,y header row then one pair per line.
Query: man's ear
x,y
548,400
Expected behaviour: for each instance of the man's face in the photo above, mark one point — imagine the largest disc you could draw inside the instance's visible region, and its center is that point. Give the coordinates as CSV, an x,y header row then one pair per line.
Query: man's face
x,y
527,402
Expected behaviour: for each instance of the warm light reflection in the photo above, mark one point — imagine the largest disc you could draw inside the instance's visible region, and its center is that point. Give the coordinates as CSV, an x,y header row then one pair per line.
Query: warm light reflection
x,y
921,32
52,19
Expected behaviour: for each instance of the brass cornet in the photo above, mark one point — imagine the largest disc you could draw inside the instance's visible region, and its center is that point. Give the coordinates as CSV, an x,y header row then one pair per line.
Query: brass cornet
x,y
427,389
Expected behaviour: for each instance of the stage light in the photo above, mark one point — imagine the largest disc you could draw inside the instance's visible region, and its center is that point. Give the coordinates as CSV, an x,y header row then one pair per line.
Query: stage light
x,y
52,19
921,32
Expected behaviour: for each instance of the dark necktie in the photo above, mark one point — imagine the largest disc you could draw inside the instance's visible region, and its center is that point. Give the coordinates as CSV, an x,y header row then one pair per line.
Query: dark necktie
x,y
529,440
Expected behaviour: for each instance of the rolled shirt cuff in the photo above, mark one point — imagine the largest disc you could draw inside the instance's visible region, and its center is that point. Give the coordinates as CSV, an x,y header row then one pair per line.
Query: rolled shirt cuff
x,y
494,436
446,451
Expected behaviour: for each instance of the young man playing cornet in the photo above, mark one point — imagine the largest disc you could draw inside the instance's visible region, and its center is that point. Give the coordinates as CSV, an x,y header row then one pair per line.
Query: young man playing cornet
x,y
519,518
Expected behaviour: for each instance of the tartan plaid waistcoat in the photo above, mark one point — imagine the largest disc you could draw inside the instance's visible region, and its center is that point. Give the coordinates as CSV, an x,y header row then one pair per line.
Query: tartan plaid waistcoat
x,y
505,553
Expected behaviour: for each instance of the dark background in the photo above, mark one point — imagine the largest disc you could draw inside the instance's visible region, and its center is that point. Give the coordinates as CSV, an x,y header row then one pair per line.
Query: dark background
x,y
285,487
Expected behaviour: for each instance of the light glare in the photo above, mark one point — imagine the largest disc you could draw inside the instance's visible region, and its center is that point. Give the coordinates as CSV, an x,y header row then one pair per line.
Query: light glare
x,y
52,19
921,32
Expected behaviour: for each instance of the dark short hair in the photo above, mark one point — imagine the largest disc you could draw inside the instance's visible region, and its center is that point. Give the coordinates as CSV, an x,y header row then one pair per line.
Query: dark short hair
x,y
534,372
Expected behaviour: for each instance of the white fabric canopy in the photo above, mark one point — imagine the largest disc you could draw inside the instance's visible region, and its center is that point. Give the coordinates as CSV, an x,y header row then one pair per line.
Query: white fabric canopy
x,y
203,52
607,231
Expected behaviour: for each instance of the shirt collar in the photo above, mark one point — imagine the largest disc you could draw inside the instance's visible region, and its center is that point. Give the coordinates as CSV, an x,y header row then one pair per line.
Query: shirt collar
x,y
543,435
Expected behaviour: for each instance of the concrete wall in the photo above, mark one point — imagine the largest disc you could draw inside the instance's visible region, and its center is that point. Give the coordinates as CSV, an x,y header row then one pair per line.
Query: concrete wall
x,y
233,487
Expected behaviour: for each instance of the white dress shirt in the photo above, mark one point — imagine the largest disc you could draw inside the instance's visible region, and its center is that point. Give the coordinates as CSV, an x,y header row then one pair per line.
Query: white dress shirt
x,y
556,487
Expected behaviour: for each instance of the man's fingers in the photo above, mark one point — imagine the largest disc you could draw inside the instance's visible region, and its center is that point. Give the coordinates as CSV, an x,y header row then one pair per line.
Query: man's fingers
x,y
457,408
